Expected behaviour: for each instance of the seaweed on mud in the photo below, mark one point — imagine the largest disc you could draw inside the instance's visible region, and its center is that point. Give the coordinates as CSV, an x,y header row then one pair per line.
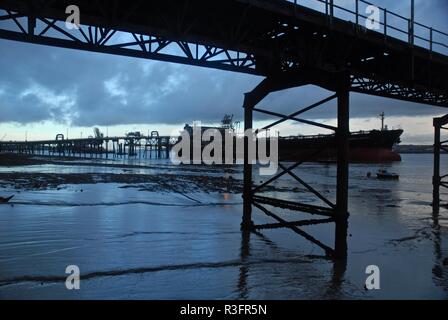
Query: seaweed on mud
x,y
144,182
419,235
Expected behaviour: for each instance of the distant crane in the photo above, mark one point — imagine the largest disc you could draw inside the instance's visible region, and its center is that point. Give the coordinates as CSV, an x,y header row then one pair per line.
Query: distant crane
x,y
382,117
98,133
4,136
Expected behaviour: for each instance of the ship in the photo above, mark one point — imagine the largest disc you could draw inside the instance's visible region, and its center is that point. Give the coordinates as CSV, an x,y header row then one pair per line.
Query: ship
x,y
375,146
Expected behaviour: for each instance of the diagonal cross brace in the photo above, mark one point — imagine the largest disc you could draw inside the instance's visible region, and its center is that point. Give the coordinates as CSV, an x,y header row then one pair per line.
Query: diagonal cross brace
x,y
329,251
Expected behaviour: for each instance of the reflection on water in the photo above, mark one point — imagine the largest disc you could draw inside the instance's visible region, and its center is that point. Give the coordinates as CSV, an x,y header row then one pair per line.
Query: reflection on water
x,y
155,245
440,269
244,270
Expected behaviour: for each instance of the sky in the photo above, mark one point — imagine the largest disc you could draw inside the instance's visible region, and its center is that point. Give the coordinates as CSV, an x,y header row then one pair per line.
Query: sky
x,y
45,91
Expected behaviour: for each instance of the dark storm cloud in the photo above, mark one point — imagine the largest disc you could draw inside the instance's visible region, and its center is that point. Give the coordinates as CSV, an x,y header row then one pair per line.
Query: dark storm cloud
x,y
153,92
95,89
85,89
28,108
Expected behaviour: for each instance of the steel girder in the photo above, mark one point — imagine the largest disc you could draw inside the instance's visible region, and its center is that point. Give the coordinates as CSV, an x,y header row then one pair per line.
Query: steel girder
x,y
439,180
388,89
92,38
330,212
254,37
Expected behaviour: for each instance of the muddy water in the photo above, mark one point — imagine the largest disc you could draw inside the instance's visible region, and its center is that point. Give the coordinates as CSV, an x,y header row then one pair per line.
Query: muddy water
x,y
162,244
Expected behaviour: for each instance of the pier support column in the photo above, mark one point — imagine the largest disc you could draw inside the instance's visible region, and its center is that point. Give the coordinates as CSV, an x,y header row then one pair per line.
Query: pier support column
x,y
342,141
329,211
251,99
437,182
436,176
247,223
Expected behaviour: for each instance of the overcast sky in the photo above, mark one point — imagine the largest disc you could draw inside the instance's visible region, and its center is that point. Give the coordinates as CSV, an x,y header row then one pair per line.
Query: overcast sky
x,y
45,91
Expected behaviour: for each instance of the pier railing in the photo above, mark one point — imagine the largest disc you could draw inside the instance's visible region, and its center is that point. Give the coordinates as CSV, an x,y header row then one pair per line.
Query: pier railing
x,y
390,23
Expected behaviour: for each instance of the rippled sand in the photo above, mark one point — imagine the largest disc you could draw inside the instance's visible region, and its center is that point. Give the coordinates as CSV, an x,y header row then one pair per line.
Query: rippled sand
x,y
153,230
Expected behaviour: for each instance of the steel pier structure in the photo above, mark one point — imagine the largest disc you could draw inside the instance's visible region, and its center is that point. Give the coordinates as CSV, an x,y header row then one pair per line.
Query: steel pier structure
x,y
287,43
153,146
439,180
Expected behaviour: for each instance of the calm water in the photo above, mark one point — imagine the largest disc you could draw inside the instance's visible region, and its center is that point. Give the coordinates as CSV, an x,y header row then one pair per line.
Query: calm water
x,y
146,245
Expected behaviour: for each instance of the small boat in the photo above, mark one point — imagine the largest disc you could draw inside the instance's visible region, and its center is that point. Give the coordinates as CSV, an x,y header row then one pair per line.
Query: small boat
x,y
385,175
5,200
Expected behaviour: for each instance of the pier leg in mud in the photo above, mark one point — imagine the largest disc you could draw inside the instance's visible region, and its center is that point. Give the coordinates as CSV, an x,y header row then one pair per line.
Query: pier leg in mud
x,y
332,212
436,176
244,269
342,141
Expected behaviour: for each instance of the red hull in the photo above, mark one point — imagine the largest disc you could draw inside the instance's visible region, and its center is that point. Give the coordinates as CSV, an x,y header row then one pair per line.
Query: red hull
x,y
360,155
373,155
372,146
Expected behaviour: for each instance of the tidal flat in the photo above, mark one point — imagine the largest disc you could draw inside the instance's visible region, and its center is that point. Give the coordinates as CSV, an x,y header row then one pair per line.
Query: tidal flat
x,y
152,230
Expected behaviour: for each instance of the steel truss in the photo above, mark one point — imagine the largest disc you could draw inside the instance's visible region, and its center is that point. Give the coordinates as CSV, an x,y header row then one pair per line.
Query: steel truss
x,y
39,30
330,212
397,91
232,46
439,146
439,181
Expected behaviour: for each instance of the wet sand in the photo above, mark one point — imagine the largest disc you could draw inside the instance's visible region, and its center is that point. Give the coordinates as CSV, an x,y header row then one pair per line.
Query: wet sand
x,y
13,160
153,231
